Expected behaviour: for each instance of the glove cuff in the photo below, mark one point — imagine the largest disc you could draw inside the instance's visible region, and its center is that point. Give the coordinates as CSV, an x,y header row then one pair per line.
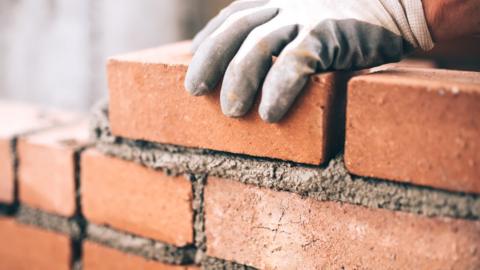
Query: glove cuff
x,y
411,21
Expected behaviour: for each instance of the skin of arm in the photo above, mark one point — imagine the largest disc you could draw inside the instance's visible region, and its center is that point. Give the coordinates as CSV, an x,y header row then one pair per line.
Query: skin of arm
x,y
450,19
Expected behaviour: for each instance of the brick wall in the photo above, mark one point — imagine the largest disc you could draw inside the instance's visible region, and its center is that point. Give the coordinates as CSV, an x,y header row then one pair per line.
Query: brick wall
x,y
372,170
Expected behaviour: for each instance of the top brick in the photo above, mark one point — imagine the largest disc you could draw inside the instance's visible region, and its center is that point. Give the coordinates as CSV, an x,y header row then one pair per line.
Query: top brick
x,y
148,101
420,126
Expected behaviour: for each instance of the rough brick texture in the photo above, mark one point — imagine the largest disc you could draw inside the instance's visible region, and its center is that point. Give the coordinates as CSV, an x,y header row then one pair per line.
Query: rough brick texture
x,y
97,257
148,101
23,248
133,198
417,126
279,230
16,119
46,172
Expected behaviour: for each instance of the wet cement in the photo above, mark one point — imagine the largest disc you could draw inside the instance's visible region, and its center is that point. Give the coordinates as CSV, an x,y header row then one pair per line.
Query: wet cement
x,y
211,263
47,221
147,248
200,238
330,182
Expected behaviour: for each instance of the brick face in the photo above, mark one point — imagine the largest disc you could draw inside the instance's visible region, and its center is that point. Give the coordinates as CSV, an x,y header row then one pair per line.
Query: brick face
x,y
148,101
133,198
97,257
279,230
46,170
6,172
417,126
23,248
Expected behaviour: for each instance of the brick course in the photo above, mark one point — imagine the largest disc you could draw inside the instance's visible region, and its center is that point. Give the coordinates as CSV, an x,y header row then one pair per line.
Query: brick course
x,y
130,197
280,230
416,125
24,247
46,172
148,101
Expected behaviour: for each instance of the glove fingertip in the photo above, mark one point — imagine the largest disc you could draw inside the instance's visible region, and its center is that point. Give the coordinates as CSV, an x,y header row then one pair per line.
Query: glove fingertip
x,y
196,89
269,115
231,106
231,112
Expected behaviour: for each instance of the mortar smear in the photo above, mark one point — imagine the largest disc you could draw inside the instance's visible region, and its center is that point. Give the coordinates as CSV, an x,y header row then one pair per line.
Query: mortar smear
x,y
211,263
198,185
47,221
330,182
147,248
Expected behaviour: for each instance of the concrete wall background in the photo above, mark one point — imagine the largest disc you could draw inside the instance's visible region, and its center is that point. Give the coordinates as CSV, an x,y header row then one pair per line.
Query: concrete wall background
x,y
53,51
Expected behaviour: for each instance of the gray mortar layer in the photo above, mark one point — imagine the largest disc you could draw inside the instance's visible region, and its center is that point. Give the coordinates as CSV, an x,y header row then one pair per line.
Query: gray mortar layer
x,y
198,186
211,263
331,182
147,248
54,223
47,221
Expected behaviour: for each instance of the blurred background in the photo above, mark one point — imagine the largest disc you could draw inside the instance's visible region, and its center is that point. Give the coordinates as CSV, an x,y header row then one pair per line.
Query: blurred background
x,y
53,52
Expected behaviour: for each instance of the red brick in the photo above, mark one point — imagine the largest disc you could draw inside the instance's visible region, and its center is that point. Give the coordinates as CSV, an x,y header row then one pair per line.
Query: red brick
x,y
97,257
46,172
133,198
25,247
416,126
148,101
6,171
280,230
16,119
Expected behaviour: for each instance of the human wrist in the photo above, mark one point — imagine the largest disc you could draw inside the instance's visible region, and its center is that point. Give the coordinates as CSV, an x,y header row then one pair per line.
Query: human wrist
x,y
449,19
434,17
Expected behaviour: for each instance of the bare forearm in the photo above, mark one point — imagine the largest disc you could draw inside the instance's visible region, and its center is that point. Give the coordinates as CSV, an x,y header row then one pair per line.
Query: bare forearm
x,y
448,19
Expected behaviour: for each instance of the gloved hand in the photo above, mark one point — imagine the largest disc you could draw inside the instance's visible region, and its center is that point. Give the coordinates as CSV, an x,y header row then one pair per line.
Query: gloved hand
x,y
309,35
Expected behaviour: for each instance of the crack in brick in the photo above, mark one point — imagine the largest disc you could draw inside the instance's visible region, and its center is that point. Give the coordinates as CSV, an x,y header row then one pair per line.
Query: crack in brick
x,y
309,243
279,224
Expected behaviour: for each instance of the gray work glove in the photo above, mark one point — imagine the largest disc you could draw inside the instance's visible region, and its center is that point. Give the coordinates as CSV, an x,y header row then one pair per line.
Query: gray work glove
x,y
309,36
